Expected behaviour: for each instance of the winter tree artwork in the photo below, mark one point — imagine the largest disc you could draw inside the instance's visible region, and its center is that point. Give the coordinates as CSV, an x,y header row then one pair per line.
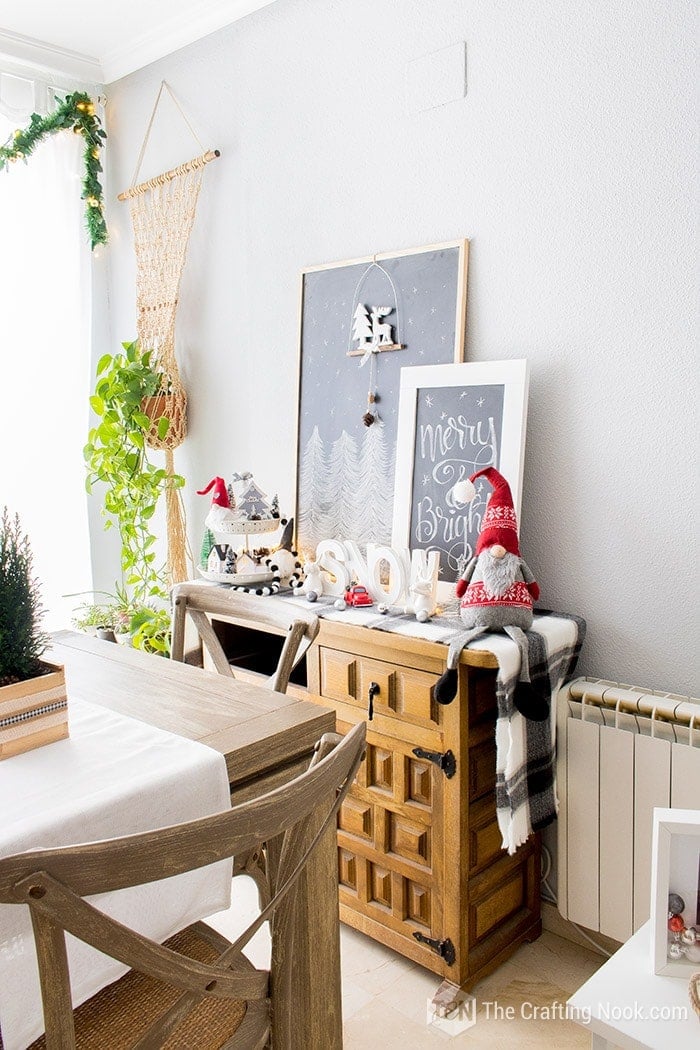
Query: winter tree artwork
x,y
362,322
453,421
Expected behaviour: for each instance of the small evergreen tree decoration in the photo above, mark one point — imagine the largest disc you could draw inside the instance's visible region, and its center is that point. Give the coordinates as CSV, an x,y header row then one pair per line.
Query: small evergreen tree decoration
x,y
208,542
21,639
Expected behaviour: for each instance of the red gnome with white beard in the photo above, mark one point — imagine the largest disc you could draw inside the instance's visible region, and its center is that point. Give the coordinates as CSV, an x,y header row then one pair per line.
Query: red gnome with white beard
x,y
496,589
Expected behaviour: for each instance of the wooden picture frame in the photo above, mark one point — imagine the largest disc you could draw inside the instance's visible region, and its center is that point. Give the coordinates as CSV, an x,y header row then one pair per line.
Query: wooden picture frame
x,y
675,869
345,469
453,421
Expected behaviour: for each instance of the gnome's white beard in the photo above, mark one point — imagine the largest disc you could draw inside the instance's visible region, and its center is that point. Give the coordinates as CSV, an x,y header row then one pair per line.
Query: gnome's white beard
x,y
497,573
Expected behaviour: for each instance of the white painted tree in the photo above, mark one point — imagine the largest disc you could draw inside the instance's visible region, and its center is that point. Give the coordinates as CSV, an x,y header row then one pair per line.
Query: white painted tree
x,y
376,488
361,328
344,510
314,490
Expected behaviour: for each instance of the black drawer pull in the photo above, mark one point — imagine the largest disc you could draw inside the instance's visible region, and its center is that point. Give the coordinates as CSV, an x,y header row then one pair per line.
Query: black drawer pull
x,y
371,693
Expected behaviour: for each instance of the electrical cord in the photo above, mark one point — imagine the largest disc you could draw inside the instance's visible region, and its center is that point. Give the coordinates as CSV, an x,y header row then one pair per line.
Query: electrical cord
x,y
552,899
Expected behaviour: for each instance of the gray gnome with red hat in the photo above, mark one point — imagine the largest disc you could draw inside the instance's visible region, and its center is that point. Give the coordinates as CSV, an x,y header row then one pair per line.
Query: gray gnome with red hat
x,y
496,591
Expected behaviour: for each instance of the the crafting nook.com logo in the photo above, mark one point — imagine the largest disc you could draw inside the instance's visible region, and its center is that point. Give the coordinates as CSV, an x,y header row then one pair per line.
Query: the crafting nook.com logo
x,y
527,1011
453,1011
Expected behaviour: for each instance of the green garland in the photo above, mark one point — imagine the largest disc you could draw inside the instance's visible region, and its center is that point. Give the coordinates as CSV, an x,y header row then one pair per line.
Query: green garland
x,y
77,111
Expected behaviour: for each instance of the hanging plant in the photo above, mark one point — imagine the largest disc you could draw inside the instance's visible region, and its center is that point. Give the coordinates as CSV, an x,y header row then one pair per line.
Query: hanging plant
x,y
116,457
76,111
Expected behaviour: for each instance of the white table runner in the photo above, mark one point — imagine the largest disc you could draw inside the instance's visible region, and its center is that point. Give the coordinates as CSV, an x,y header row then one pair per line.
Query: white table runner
x,y
113,776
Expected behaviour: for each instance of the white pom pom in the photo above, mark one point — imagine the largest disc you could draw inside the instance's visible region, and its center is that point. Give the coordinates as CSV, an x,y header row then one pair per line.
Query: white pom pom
x,y
422,616
463,492
340,604
311,596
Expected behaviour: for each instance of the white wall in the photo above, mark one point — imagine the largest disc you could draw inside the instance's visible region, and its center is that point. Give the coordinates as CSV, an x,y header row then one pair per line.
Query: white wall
x,y
569,166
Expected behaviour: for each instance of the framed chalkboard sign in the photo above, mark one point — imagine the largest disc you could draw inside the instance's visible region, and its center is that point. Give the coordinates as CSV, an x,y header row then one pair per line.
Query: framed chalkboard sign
x,y
453,421
362,321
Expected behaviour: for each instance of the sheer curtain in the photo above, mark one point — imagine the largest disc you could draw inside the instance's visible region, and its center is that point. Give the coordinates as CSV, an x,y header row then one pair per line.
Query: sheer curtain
x,y
45,360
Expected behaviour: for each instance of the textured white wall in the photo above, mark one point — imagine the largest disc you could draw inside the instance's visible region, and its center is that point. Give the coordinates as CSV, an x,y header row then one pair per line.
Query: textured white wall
x,y
569,165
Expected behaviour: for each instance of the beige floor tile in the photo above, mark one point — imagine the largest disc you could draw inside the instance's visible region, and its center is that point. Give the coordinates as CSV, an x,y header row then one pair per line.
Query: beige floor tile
x,y
369,965
562,962
380,1027
530,989
359,952
410,992
354,999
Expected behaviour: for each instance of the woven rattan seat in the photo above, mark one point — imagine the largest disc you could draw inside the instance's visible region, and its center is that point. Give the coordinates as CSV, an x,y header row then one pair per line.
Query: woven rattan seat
x,y
123,1011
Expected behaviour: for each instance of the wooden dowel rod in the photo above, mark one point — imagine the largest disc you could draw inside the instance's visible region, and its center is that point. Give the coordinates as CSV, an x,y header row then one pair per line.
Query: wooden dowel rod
x,y
167,176
379,350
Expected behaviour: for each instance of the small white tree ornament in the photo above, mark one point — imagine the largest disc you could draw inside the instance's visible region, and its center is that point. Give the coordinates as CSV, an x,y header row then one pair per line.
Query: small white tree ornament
x,y
361,327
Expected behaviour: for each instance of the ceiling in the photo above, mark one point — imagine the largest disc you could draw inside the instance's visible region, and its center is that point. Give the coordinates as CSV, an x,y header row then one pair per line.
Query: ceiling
x,y
103,42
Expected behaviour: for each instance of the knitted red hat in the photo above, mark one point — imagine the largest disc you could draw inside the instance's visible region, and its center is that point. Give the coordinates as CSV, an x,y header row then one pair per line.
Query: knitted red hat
x,y
499,524
220,497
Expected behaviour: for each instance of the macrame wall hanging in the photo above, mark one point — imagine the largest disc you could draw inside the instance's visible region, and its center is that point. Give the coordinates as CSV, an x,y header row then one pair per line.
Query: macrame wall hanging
x,y
162,212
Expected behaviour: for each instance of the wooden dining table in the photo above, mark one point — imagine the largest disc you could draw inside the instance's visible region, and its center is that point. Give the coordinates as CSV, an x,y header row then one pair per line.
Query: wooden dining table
x,y
266,739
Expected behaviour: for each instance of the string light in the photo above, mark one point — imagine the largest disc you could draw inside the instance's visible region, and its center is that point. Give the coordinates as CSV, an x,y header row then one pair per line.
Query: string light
x,y
78,112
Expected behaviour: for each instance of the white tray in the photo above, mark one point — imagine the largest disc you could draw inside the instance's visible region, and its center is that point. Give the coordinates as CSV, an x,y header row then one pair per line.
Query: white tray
x,y
236,579
247,528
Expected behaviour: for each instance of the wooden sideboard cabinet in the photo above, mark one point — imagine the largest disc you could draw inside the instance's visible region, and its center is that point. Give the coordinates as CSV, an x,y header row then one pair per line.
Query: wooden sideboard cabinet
x,y
420,863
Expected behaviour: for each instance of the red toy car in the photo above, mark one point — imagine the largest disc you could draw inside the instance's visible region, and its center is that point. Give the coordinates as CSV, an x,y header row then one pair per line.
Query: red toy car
x,y
357,596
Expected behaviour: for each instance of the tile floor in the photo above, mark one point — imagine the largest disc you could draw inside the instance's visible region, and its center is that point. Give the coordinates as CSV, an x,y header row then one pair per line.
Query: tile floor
x,y
385,996
385,999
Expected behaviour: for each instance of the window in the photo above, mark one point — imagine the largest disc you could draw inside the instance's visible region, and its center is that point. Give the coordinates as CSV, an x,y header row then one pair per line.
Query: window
x,y
45,358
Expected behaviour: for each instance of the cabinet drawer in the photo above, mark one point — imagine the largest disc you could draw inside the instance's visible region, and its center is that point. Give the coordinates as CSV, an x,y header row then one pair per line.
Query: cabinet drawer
x,y
404,693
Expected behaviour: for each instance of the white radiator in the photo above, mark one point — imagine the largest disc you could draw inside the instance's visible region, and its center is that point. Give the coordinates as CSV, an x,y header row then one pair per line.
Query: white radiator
x,y
621,751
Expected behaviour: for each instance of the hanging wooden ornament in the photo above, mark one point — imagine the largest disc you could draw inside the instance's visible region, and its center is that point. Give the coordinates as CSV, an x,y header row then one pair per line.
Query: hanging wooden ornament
x,y
373,334
162,212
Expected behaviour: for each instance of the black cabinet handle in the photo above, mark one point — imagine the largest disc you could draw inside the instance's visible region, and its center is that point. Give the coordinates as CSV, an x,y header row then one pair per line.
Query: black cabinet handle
x,y
371,693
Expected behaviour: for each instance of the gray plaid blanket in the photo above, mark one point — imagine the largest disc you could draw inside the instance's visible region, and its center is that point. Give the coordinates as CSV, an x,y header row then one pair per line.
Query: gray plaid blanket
x,y
525,771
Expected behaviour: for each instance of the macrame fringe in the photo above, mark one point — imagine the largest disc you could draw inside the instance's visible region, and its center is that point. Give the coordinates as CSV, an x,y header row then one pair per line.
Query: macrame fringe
x,y
177,533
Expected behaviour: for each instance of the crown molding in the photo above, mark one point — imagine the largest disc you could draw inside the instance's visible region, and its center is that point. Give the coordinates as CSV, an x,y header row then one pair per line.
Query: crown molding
x,y
200,19
48,58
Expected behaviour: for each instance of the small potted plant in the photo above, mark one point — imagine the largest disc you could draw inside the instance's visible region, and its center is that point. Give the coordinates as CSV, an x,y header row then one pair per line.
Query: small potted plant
x,y
95,619
32,691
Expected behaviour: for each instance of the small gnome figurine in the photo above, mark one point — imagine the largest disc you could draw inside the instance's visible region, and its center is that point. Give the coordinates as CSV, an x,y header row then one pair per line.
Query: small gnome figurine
x,y
497,590
221,518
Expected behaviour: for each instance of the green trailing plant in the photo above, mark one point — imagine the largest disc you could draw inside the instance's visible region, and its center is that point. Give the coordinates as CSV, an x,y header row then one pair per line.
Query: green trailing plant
x,y
22,640
151,630
116,456
76,111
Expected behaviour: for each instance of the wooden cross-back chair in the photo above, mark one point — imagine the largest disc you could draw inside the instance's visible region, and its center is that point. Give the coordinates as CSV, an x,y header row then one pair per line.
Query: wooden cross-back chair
x,y
212,987
199,602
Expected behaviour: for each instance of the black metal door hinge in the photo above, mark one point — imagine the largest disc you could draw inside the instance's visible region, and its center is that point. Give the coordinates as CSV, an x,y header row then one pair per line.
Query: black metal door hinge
x,y
446,762
445,948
